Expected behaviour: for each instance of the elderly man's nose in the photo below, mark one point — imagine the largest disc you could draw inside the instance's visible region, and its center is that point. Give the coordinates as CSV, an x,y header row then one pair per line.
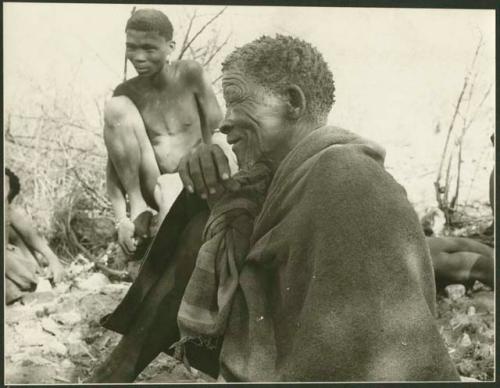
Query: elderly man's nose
x,y
228,122
225,127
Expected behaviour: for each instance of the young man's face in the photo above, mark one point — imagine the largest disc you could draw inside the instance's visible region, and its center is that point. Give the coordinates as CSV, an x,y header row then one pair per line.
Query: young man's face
x,y
148,51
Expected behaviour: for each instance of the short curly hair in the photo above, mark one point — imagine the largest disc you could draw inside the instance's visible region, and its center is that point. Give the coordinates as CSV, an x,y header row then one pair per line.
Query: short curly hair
x,y
151,20
14,183
277,62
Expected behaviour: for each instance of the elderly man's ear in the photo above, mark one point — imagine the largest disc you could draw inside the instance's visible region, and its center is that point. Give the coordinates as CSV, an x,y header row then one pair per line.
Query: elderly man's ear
x,y
296,102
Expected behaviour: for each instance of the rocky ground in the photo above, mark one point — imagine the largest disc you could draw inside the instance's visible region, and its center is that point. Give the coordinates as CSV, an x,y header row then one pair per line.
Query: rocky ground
x,y
54,336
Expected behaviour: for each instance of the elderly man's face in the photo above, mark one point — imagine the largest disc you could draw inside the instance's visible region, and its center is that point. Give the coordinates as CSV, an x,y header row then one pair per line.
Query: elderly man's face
x,y
255,121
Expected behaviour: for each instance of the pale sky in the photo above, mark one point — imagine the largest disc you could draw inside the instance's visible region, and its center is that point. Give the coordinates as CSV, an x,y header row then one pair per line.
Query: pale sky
x,y
398,72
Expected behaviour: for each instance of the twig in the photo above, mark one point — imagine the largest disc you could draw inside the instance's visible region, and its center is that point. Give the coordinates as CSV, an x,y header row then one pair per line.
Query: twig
x,y
216,51
120,275
200,31
215,80
90,190
450,128
459,169
186,36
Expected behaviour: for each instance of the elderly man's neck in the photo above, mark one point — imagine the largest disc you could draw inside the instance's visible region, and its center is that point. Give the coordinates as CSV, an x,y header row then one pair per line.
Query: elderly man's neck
x,y
298,131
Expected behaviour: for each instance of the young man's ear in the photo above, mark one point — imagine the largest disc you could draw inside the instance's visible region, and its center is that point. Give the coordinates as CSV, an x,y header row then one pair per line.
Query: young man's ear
x,y
296,101
171,45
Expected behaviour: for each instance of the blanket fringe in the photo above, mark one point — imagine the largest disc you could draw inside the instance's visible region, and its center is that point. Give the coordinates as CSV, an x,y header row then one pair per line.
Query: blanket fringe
x,y
180,347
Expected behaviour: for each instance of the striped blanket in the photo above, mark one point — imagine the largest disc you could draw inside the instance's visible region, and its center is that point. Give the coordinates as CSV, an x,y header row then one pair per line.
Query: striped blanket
x,y
206,303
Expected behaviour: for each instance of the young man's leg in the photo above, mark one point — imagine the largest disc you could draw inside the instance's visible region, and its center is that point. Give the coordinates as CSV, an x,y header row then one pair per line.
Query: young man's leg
x,y
131,154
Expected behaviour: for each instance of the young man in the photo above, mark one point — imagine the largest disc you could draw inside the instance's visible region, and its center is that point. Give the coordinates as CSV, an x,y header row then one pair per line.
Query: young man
x,y
23,241
153,120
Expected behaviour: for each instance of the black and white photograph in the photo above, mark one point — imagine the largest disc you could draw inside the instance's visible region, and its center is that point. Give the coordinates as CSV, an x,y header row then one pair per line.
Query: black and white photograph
x,y
248,193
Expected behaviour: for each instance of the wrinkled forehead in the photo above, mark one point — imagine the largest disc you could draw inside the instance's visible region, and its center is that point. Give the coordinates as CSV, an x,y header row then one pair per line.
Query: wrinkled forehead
x,y
236,84
144,37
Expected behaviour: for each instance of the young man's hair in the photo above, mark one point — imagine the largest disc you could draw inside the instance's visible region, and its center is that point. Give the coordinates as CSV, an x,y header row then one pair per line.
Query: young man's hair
x,y
14,183
151,20
277,62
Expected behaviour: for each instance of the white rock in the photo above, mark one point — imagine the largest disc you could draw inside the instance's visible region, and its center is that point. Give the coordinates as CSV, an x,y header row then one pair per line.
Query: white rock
x,y
69,318
43,286
62,288
56,347
73,337
77,348
37,360
455,291
67,363
115,288
471,310
94,282
50,326
465,341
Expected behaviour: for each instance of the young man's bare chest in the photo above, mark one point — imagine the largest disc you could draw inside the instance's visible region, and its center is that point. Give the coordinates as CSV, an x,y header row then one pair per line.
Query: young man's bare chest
x,y
171,119
170,113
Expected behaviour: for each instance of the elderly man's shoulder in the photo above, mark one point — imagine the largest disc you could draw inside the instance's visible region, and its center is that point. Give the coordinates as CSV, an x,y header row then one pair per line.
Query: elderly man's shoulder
x,y
347,156
336,142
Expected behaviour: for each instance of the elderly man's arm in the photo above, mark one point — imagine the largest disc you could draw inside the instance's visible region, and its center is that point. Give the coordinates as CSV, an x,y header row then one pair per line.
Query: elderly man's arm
x,y
23,225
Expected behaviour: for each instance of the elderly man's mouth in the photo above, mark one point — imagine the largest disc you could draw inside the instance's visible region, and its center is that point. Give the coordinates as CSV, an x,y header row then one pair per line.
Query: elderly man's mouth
x,y
233,140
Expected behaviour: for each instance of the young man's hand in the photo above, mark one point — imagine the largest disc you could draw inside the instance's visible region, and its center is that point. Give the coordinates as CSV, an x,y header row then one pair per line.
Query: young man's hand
x,y
126,238
205,171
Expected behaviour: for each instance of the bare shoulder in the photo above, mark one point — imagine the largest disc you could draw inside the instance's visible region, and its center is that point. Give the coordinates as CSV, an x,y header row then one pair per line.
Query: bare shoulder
x,y
191,71
118,107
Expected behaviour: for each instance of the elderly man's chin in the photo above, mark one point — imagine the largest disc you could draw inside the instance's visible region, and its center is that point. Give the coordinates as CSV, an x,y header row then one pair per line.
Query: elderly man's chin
x,y
246,159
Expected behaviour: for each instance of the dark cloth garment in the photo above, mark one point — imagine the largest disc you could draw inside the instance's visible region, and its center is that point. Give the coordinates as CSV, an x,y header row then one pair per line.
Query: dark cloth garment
x,y
207,300
147,316
338,283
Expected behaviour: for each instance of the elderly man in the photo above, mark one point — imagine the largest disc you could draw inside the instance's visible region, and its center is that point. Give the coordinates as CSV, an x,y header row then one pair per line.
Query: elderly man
x,y
317,268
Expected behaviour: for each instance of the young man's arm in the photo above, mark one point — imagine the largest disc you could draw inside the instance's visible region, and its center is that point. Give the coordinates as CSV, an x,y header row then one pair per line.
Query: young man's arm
x,y
208,107
207,160
23,225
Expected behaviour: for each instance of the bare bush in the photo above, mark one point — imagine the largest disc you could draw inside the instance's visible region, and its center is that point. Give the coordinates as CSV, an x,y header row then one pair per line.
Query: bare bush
x,y
468,107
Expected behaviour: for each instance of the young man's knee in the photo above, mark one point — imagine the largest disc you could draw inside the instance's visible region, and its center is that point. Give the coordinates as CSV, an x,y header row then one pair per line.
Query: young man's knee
x,y
121,116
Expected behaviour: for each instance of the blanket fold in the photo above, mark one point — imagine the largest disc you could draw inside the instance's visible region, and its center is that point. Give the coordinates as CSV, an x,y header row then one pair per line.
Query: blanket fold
x,y
337,284
208,296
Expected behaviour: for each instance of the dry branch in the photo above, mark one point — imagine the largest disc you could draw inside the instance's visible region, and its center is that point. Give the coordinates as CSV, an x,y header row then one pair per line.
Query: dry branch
x,y
200,31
